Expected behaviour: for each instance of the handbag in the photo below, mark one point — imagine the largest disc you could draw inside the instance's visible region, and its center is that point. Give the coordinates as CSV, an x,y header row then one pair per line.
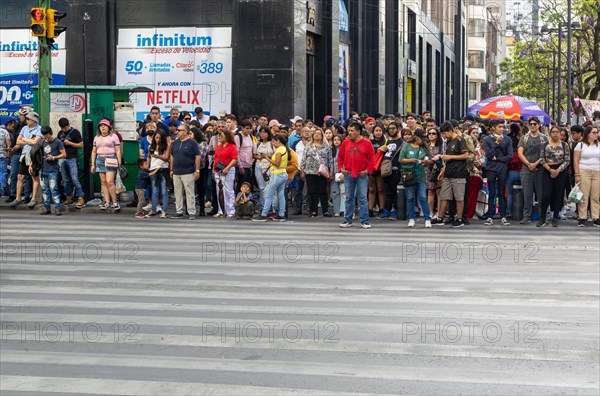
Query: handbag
x,y
220,166
123,172
323,169
111,162
409,177
386,167
266,176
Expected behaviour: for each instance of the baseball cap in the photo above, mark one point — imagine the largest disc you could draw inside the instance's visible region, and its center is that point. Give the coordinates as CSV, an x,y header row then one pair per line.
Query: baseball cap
x,y
369,119
24,110
274,123
296,119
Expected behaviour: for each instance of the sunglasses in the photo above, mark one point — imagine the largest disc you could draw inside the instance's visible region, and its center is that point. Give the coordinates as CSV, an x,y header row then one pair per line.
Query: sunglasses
x,y
432,134
181,130
187,119
533,123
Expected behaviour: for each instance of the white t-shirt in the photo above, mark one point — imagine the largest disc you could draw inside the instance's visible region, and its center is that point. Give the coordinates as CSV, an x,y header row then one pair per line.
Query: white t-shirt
x,y
157,163
300,150
590,156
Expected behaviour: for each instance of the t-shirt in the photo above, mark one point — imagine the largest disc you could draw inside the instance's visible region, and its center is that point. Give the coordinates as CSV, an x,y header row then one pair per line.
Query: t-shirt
x,y
456,169
284,160
74,136
29,133
408,151
105,145
249,196
245,159
3,136
225,154
144,146
532,150
264,148
51,148
393,146
184,156
590,156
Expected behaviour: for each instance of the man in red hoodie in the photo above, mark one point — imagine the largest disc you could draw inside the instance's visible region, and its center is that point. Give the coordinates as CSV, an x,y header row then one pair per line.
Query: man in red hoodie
x,y
355,161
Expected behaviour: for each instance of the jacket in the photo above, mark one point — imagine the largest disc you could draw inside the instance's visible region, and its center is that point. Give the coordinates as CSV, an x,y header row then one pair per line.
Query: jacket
x,y
503,153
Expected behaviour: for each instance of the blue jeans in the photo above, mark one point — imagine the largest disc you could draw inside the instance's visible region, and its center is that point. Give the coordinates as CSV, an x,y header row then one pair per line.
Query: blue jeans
x,y
276,187
260,181
3,176
421,192
299,196
159,184
356,187
70,176
14,175
496,190
513,178
49,183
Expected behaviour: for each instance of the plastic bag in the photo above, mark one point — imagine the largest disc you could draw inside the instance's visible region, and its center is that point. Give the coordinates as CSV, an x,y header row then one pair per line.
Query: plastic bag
x,y
576,195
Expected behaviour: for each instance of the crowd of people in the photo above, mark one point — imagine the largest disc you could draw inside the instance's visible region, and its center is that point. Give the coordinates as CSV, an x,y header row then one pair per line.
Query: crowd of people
x,y
370,167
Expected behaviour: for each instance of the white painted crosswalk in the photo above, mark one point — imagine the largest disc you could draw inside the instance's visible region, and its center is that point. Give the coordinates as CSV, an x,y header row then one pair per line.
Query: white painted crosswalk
x,y
111,305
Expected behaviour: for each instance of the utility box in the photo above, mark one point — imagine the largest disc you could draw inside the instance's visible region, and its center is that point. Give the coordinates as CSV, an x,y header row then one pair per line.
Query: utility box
x,y
111,102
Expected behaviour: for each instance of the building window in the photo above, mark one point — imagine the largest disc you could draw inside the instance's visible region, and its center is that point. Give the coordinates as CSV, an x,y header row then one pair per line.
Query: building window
x,y
476,59
412,35
476,27
476,2
473,88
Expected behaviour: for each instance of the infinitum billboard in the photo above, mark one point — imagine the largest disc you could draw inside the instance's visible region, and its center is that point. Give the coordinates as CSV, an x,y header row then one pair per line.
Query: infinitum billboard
x,y
186,67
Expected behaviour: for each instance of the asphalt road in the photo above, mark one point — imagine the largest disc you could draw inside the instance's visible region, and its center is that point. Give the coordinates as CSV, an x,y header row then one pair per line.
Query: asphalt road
x,y
107,304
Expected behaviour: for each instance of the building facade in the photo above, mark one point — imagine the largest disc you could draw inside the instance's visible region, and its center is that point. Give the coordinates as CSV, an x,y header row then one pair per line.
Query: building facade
x,y
281,57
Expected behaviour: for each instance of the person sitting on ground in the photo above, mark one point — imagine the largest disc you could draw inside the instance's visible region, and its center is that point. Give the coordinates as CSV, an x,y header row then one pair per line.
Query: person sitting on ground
x,y
243,202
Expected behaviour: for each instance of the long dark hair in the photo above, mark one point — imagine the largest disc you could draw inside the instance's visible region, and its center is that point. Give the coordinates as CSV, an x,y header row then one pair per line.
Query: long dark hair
x,y
228,136
438,141
162,147
424,143
283,140
269,134
586,134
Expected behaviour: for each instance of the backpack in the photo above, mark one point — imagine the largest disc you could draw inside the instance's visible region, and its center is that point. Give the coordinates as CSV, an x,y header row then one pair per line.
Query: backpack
x,y
471,150
36,155
543,139
238,133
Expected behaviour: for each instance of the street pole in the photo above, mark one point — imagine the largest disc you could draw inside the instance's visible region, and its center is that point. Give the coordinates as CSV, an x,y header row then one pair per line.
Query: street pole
x,y
569,93
86,18
44,73
553,84
558,119
548,91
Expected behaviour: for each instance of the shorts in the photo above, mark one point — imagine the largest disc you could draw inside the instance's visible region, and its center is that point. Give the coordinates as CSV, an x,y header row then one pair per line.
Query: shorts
x,y
100,168
24,169
453,189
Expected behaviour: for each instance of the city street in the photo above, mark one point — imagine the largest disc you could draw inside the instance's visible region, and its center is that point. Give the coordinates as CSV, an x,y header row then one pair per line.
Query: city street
x,y
107,304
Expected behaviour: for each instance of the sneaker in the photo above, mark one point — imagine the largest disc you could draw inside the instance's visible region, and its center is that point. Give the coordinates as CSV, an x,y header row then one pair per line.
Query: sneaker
x,y
208,205
394,214
16,203
278,218
230,217
365,225
439,222
312,215
488,222
581,223
191,217
411,223
57,212
45,212
271,215
116,207
260,218
384,214
554,222
326,214
159,208
427,223
80,203
68,201
32,203
10,199
449,221
177,216
596,223
346,225
151,215
504,222
336,215
525,220
458,223
218,215
297,212
541,223
147,208
163,215
140,216
104,206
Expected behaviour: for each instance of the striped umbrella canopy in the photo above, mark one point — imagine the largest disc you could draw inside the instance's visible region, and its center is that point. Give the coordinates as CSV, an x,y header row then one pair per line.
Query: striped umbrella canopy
x,y
508,107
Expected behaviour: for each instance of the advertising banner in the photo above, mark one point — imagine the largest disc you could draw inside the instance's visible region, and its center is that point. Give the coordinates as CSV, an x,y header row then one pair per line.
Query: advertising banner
x,y
19,68
344,77
186,67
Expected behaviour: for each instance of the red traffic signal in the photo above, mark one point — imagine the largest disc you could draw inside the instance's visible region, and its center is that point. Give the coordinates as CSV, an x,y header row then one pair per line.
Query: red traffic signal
x,y
38,22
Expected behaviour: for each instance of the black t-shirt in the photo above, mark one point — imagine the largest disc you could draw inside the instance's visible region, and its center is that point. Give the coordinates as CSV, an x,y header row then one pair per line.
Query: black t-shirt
x,y
456,169
53,148
393,148
73,136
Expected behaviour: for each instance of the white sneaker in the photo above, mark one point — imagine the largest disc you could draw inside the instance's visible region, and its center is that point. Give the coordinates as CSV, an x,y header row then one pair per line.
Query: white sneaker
x,y
427,223
159,208
147,208
504,222
163,215
411,222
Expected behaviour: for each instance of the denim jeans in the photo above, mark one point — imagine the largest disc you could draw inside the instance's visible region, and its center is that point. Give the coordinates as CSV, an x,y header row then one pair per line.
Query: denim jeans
x,y
337,192
421,192
276,187
70,176
513,178
159,184
496,187
3,176
299,194
356,187
14,175
260,181
49,183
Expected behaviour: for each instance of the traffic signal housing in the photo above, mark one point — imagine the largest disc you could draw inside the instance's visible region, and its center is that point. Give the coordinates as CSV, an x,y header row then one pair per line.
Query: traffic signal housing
x,y
38,22
54,17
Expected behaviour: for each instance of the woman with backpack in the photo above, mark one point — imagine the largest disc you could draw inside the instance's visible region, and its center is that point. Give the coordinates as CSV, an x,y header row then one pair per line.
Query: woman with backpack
x,y
555,158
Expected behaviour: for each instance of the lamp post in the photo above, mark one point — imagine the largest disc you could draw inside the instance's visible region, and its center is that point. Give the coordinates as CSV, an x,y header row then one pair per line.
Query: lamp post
x,y
557,71
86,18
569,93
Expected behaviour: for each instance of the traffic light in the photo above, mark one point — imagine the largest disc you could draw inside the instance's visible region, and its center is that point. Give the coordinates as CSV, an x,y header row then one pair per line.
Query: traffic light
x,y
53,18
38,22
